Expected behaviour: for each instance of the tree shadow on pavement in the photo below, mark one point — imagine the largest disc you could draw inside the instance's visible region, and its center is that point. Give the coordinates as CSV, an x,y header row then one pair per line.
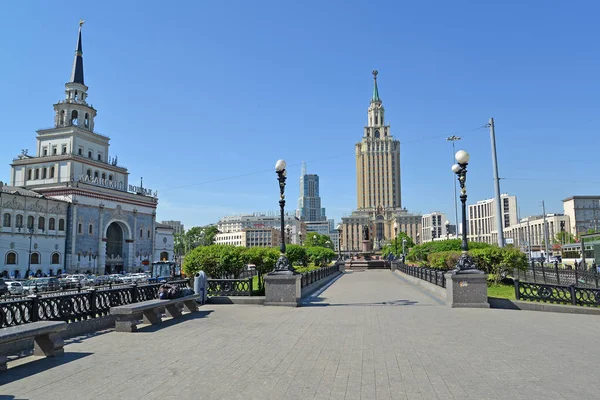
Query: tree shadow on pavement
x,y
173,321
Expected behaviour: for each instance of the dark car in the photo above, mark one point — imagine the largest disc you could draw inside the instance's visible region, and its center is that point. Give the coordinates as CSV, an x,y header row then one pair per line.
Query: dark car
x,y
46,284
3,287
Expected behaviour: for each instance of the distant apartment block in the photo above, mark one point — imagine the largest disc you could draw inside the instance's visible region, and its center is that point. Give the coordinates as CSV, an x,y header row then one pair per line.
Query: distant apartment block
x,y
482,218
584,213
177,226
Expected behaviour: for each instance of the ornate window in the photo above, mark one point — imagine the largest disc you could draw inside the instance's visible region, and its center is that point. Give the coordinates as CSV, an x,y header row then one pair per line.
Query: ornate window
x,y
96,174
19,221
148,233
55,258
79,229
51,224
41,223
86,121
6,220
103,175
37,173
141,233
91,229
61,224
51,172
110,177
30,222
29,174
89,173
89,154
35,258
11,258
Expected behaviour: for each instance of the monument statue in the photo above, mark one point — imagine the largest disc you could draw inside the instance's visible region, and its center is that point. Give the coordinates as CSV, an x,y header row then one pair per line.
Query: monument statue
x,y
365,232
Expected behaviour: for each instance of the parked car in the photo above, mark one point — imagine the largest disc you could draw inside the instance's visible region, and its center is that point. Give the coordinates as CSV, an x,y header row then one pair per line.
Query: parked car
x,y
102,280
116,278
3,287
77,278
41,285
14,287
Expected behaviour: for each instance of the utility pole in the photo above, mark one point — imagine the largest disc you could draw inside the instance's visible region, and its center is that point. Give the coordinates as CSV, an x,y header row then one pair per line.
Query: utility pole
x,y
499,225
529,238
453,139
545,230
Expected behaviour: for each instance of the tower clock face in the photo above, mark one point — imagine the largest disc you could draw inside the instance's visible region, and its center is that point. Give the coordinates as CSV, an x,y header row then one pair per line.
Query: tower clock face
x,y
376,133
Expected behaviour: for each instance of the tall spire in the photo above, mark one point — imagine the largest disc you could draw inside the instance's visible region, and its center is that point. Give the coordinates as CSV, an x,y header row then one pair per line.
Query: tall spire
x,y
77,73
375,90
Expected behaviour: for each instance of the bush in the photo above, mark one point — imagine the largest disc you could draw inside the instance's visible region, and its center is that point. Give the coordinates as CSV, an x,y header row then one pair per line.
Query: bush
x,y
444,260
422,251
320,256
296,254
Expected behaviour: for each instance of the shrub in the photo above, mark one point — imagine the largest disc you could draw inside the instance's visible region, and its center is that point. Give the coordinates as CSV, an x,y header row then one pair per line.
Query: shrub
x,y
421,252
320,256
445,260
296,254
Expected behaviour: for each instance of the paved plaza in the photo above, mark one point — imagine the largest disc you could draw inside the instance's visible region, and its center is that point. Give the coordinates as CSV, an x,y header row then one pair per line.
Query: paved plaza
x,y
370,335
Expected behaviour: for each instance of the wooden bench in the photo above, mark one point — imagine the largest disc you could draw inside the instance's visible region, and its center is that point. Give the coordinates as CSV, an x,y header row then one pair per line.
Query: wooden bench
x,y
128,316
46,336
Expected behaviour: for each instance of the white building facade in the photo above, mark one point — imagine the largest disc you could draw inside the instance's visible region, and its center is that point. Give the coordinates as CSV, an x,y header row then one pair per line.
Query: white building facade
x,y
528,234
163,243
110,223
238,223
32,234
434,227
482,218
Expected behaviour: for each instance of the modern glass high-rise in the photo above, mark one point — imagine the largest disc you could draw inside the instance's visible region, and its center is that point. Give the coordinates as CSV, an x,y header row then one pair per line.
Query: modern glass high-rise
x,y
309,203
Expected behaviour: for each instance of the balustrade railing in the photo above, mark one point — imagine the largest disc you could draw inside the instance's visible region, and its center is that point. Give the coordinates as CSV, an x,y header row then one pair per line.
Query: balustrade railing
x,y
558,294
430,275
229,287
308,278
70,307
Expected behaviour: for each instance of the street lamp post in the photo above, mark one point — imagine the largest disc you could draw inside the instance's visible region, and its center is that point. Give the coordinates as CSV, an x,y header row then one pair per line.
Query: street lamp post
x,y
339,231
418,237
403,250
28,274
282,266
447,228
300,236
395,238
465,262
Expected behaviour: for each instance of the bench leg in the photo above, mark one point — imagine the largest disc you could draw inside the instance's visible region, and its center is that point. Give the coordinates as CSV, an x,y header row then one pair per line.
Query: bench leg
x,y
173,311
190,305
126,323
3,366
152,317
50,345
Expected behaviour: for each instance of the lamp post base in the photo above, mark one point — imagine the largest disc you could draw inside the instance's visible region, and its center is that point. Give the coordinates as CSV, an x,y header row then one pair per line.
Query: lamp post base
x,y
283,289
466,290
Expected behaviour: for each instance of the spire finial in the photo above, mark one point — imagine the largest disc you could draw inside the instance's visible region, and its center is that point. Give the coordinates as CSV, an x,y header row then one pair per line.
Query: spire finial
x,y
77,72
375,90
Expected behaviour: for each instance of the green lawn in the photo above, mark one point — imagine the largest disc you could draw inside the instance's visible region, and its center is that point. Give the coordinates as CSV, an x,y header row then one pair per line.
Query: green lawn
x,y
502,291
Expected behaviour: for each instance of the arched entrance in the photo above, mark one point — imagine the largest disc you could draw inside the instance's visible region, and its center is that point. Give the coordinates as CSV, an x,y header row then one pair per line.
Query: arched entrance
x,y
115,245
164,256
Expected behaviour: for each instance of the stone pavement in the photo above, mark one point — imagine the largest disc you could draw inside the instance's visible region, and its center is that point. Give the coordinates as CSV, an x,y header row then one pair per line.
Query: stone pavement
x,y
370,335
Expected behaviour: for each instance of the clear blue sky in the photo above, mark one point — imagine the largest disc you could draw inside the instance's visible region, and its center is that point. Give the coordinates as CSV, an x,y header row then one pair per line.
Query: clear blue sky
x,y
199,97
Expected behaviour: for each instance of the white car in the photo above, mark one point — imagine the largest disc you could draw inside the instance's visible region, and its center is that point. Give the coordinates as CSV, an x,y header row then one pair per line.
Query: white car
x,y
14,287
116,278
75,279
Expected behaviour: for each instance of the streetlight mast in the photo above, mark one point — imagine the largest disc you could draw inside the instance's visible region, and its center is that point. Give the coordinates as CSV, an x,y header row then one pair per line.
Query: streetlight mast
x,y
496,185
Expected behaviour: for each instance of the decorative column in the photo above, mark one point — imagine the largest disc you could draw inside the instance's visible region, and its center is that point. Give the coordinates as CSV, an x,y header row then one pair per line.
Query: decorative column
x,y
130,255
101,242
73,236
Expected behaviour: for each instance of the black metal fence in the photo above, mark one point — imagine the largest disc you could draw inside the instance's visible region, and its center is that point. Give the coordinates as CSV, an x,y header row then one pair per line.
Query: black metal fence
x,y
559,294
229,287
556,275
311,277
70,307
430,275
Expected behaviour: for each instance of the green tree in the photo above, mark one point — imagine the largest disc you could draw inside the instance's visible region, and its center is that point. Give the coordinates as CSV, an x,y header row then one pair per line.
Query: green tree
x,y
200,236
320,256
296,254
231,259
316,239
420,252
203,258
395,247
264,258
563,237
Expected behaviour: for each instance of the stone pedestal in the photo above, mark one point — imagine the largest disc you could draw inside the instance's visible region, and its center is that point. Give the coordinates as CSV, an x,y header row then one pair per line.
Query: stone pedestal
x,y
466,290
283,289
367,246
